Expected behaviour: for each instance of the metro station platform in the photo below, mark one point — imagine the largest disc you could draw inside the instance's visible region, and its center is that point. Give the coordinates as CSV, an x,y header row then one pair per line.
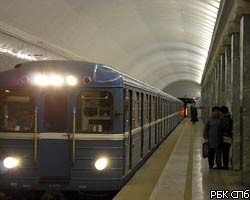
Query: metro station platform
x,y
177,170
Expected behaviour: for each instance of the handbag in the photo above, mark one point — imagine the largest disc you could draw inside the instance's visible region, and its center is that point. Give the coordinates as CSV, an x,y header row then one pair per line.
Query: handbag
x,y
205,149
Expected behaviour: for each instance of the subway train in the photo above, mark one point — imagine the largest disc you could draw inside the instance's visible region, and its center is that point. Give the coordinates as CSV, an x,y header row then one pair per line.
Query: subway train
x,y
78,126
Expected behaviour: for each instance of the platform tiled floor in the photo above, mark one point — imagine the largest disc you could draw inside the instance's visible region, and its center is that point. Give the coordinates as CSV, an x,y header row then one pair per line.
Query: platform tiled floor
x,y
177,171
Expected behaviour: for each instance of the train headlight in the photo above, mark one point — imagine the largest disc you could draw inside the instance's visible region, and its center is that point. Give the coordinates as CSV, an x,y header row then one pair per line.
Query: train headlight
x,y
56,80
71,80
11,162
41,80
101,163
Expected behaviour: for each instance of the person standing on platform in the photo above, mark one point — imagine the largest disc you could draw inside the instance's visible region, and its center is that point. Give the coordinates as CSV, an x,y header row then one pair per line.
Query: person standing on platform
x,y
194,113
226,128
212,134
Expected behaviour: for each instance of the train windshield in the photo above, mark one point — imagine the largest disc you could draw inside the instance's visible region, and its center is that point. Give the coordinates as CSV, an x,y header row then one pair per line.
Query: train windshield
x,y
16,111
55,113
95,112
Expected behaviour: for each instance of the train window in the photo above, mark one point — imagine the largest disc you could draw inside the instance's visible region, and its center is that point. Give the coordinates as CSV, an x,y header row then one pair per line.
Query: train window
x,y
163,108
17,110
166,109
94,112
162,111
137,124
159,108
153,110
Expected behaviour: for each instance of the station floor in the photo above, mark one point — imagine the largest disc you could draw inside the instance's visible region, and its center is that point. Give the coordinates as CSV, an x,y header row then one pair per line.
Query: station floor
x,y
177,170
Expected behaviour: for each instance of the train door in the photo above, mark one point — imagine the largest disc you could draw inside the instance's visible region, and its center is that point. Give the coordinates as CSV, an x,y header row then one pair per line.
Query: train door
x,y
141,123
171,118
167,114
127,127
130,127
136,132
164,116
160,122
54,146
153,121
161,116
156,118
150,120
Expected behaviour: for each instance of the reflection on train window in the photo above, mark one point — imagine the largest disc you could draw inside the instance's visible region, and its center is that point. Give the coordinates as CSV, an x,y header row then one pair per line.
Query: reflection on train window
x,y
16,112
95,112
55,113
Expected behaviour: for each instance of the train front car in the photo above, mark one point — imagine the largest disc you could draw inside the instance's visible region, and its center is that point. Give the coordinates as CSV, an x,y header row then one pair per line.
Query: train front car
x,y
61,127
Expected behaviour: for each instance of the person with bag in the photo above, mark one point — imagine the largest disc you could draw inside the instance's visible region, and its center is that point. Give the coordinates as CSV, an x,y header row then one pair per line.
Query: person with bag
x,y
226,127
212,135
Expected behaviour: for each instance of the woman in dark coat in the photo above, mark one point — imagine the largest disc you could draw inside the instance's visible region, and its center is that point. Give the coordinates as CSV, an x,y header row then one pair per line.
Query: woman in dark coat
x,y
212,134
194,114
226,127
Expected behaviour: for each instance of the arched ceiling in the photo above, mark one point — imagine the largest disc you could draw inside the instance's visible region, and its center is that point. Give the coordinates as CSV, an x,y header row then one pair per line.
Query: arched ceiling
x,y
156,41
184,89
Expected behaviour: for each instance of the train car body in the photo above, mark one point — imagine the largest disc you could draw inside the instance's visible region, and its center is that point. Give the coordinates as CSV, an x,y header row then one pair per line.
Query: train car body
x,y
78,126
